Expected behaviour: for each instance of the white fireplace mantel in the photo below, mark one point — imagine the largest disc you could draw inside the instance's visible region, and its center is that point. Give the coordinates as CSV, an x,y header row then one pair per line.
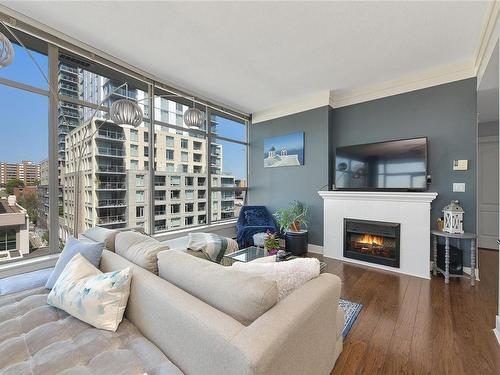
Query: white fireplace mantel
x,y
410,209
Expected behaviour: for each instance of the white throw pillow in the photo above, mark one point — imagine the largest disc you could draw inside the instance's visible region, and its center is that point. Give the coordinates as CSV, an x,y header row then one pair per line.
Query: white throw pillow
x,y
88,294
289,275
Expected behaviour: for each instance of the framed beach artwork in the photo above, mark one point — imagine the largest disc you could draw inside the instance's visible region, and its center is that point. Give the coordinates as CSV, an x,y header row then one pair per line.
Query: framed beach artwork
x,y
284,150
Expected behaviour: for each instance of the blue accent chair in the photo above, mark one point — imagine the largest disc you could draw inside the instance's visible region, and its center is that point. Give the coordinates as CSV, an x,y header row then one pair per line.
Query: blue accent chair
x,y
252,220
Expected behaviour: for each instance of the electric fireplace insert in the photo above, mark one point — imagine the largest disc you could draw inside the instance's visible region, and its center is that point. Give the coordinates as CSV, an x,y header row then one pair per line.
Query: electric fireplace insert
x,y
372,241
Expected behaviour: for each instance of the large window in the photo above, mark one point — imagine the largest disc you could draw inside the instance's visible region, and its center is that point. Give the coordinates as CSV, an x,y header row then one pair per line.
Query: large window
x,y
24,152
194,157
104,171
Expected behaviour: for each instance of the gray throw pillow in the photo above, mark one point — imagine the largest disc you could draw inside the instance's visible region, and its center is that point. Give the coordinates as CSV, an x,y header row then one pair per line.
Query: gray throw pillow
x,y
90,251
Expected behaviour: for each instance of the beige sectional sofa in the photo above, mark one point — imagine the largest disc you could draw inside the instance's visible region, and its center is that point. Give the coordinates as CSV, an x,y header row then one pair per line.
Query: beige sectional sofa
x,y
207,330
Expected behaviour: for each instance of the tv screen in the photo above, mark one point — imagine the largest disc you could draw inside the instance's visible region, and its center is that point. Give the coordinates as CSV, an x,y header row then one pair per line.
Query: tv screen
x,y
393,165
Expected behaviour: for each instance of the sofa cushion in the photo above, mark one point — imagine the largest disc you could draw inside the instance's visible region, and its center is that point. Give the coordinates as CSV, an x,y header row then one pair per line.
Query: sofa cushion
x,y
90,251
289,275
242,296
139,249
99,234
92,296
36,338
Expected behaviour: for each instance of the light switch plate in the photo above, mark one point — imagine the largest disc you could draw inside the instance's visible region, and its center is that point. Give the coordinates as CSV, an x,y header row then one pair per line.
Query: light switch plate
x,y
459,187
460,165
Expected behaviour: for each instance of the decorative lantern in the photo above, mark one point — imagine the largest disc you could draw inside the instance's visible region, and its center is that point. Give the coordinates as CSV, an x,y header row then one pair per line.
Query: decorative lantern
x,y
453,218
6,51
194,118
126,113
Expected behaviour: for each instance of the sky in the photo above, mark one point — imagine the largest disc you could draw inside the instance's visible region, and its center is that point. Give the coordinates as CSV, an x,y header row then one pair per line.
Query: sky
x,y
24,118
23,115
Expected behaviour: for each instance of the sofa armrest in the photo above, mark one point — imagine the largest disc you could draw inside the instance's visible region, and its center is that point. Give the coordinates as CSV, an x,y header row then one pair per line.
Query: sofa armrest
x,y
297,335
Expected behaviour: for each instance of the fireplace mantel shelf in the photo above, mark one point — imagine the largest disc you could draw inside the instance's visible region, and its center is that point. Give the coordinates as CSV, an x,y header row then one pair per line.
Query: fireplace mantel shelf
x,y
393,196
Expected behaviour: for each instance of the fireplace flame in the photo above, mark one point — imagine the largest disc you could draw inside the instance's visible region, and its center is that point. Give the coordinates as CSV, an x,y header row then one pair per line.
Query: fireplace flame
x,y
373,240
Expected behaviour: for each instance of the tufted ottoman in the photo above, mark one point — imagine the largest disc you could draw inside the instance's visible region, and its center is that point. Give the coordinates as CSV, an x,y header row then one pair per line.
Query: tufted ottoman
x,y
36,338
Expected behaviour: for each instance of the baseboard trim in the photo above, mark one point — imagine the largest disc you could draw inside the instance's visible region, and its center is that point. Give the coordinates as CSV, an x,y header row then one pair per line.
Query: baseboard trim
x,y
316,249
496,330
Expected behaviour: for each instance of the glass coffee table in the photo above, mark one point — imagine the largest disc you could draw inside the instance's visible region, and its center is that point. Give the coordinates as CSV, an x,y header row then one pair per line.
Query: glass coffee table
x,y
253,252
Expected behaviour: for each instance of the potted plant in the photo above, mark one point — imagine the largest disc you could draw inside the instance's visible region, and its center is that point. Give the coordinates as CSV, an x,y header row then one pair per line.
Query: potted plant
x,y
291,221
271,243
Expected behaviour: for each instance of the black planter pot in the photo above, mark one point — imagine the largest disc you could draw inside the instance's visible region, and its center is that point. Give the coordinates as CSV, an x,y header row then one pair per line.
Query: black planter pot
x,y
296,242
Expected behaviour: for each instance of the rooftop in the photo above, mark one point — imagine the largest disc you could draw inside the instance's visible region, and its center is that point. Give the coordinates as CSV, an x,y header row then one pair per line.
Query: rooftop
x,y
6,209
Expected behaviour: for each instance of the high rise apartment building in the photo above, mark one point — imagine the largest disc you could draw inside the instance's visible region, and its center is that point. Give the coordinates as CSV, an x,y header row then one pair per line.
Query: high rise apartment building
x,y
115,179
25,171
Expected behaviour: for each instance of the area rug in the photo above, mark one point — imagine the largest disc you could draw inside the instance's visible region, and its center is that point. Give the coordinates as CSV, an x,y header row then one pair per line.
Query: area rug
x,y
351,310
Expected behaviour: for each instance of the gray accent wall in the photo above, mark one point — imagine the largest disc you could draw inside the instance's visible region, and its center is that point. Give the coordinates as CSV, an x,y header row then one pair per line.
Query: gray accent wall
x,y
445,114
277,187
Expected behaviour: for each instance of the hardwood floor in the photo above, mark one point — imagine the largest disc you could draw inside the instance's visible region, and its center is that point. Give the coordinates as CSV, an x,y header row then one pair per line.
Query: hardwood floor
x,y
410,325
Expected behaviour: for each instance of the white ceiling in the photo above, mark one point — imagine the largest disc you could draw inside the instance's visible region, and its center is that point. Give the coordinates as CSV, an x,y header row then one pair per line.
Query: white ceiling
x,y
256,55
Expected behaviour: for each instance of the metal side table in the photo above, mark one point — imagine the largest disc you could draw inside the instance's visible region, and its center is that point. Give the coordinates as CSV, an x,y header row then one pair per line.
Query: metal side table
x,y
446,272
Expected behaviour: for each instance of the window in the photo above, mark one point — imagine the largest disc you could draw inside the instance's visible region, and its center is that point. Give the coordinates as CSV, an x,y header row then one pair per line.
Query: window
x,y
189,207
175,222
197,146
139,212
189,181
160,225
139,196
175,208
134,135
134,150
175,194
134,165
170,167
139,180
197,158
146,137
184,156
7,239
170,154
160,181
184,143
189,194
169,141
160,195
24,153
189,220
175,180
185,168
146,151
197,169
160,210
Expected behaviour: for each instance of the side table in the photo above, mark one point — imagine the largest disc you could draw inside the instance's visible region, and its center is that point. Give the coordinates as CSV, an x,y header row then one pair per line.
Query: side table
x,y
446,272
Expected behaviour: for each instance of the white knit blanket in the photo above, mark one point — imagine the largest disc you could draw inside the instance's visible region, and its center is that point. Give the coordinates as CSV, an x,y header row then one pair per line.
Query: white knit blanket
x,y
289,275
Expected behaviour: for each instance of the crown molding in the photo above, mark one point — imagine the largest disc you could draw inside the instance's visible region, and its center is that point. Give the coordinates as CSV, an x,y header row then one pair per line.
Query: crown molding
x,y
487,40
315,101
438,76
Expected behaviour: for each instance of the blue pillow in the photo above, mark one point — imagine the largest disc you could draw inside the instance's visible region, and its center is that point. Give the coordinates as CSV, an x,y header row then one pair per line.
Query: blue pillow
x,y
90,251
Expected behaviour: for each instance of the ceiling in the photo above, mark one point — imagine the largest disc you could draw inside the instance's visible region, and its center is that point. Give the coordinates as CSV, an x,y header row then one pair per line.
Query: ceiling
x,y
254,56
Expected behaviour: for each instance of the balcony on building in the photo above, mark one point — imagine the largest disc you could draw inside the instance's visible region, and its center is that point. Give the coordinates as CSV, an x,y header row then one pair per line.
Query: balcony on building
x,y
110,135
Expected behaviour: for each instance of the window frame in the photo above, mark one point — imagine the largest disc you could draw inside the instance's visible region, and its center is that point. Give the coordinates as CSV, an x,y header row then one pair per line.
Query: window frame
x,y
55,45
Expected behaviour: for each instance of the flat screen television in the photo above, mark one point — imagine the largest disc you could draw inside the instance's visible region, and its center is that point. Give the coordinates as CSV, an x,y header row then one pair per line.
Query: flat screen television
x,y
393,165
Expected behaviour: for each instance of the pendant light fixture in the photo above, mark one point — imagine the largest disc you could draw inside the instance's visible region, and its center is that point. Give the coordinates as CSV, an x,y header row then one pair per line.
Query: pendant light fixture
x,y
6,51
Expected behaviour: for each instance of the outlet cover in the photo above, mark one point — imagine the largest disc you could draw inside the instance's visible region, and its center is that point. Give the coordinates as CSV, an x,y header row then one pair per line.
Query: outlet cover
x,y
459,187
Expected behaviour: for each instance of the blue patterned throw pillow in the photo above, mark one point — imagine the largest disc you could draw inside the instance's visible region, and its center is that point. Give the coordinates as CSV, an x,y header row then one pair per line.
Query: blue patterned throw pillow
x,y
86,293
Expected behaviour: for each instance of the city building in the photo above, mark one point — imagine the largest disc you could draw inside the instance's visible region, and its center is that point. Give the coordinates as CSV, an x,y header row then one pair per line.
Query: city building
x,y
43,194
115,179
25,171
14,229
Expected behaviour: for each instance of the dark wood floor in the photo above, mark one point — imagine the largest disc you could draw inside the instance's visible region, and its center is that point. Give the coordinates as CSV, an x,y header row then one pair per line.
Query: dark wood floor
x,y
410,325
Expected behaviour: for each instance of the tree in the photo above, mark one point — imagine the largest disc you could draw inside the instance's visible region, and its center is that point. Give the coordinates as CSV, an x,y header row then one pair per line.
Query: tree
x,y
11,184
31,204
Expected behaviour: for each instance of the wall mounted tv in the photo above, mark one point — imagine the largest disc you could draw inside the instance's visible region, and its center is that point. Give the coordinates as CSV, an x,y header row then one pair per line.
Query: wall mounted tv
x,y
393,165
